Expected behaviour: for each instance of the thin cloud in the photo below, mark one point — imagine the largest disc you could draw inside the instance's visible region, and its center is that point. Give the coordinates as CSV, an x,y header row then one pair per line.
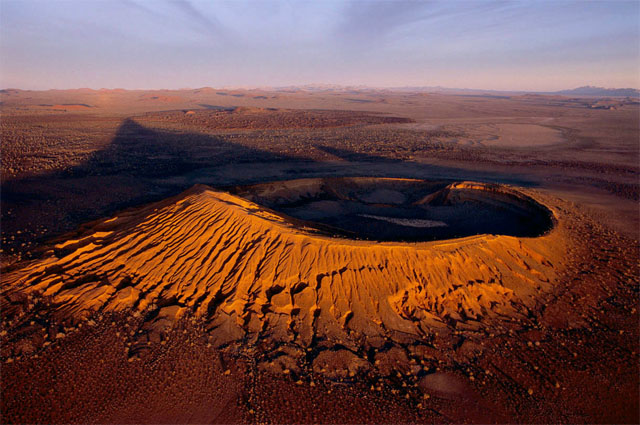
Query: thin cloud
x,y
208,24
376,19
183,14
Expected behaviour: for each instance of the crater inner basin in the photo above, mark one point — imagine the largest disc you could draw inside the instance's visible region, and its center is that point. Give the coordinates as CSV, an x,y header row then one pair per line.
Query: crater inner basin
x,y
390,209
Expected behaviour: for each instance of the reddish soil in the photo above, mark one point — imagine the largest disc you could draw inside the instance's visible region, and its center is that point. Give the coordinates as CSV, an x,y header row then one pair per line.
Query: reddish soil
x,y
565,351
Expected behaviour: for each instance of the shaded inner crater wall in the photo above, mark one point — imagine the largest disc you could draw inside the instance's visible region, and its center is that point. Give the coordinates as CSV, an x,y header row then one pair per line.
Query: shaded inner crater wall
x,y
403,209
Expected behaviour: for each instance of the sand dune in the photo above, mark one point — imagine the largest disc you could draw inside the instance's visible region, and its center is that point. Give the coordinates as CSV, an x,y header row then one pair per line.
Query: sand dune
x,y
250,272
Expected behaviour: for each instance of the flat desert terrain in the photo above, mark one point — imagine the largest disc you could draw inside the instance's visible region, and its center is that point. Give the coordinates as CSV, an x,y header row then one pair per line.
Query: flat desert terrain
x,y
318,256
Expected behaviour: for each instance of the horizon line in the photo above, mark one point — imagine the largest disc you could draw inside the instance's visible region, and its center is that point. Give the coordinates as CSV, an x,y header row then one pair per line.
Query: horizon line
x,y
326,86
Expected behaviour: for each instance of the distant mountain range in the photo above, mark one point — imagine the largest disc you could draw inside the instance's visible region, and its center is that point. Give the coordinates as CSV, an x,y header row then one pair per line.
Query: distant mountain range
x,y
585,91
599,91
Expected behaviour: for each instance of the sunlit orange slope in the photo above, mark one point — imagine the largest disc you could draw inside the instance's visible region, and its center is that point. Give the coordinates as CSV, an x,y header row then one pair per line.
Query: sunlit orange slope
x,y
248,271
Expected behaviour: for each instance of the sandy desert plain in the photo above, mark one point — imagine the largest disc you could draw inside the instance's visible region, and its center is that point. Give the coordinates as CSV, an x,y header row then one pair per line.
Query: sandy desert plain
x,y
305,256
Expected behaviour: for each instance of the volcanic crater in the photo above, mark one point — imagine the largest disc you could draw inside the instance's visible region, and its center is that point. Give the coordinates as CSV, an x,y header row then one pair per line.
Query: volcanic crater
x,y
251,275
394,209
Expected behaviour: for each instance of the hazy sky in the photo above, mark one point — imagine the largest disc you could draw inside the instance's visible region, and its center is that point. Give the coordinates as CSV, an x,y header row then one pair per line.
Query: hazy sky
x,y
525,45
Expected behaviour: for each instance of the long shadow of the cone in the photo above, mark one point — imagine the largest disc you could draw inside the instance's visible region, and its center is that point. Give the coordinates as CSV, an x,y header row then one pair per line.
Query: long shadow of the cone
x,y
148,153
143,165
133,169
353,156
